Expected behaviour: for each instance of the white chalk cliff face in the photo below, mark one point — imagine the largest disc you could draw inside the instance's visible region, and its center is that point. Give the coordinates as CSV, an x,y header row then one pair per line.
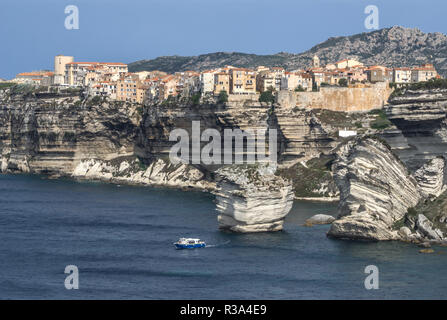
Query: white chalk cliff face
x,y
133,171
376,191
252,198
430,177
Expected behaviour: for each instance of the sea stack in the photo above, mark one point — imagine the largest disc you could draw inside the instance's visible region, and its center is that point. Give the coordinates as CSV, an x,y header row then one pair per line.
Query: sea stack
x,y
251,198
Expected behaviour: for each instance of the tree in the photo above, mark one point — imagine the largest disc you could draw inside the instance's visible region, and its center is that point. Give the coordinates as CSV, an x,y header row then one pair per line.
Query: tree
x,y
222,97
314,87
299,89
343,82
195,99
267,96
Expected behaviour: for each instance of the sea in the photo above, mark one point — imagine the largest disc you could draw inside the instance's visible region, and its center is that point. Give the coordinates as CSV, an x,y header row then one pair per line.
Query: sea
x,y
118,243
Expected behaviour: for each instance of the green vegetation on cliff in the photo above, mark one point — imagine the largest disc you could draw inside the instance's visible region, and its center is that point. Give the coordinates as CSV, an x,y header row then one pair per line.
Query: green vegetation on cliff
x,y
5,85
425,85
314,179
381,121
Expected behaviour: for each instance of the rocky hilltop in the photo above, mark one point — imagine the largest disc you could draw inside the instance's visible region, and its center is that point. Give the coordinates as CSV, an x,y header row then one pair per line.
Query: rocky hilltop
x,y
396,46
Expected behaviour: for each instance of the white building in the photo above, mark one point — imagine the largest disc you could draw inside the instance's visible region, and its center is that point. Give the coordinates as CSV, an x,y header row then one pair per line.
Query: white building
x,y
423,73
402,75
346,133
207,81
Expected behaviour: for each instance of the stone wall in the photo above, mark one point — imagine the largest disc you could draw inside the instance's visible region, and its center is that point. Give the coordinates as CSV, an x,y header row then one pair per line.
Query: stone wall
x,y
338,99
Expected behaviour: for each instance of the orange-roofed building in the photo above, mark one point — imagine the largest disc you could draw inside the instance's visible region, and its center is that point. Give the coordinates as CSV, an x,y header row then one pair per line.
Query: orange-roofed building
x,y
76,72
379,74
242,81
167,87
130,88
423,73
221,82
35,77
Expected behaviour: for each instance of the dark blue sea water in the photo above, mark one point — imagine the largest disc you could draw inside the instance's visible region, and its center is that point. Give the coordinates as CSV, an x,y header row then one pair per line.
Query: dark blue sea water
x,y
121,238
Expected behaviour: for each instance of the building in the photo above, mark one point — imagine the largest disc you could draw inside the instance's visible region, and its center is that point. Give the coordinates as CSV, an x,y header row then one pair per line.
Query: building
x,y
221,82
305,81
60,62
356,74
207,82
270,79
278,74
265,80
402,75
104,89
167,87
129,88
315,62
261,68
296,80
242,81
76,72
36,77
188,83
347,63
333,77
423,73
318,76
379,74
289,81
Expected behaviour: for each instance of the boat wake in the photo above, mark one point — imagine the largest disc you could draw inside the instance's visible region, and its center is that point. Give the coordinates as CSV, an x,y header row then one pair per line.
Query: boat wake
x,y
217,245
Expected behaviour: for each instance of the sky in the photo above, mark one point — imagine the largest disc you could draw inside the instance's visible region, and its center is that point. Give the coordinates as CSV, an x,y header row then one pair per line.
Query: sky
x,y
33,31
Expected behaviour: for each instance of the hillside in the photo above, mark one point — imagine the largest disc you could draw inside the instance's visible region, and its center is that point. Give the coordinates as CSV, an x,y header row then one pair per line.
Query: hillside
x,y
396,46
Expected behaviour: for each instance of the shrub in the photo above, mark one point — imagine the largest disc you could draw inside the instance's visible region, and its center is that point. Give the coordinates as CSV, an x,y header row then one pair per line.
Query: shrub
x,y
267,96
299,89
195,99
96,100
343,82
222,97
5,85
381,121
380,124
69,136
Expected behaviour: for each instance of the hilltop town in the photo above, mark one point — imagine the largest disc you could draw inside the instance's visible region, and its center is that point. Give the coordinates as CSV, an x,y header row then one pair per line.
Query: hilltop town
x,y
113,80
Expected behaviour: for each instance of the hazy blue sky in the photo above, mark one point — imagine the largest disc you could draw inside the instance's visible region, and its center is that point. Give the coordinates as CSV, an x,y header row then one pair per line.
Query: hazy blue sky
x,y
32,31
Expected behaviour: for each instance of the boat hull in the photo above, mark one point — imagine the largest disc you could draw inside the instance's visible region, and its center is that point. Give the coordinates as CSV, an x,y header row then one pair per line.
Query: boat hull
x,y
189,246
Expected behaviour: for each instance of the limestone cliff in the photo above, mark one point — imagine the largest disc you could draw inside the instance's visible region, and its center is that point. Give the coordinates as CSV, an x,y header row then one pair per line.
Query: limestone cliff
x,y
71,136
420,118
376,191
381,200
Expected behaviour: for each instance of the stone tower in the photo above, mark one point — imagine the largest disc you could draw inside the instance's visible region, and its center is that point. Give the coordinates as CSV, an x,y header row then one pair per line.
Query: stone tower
x,y
59,68
316,61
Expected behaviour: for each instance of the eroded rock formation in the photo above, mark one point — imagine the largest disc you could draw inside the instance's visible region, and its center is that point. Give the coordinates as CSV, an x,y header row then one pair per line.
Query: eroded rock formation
x,y
252,198
376,191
